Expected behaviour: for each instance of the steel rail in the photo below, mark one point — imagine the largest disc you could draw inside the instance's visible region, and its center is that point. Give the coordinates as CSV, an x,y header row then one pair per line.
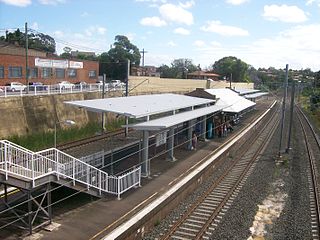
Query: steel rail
x,y
214,186
313,169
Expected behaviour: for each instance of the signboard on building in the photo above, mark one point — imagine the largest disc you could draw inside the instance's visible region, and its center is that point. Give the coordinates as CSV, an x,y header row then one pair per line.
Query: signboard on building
x,y
73,64
161,138
60,63
50,63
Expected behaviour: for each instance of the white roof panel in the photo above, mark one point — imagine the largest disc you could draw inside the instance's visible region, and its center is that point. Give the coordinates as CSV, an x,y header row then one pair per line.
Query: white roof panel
x,y
231,99
255,95
142,105
169,121
243,91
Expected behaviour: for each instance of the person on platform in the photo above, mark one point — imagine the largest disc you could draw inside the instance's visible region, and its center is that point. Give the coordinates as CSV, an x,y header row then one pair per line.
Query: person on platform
x,y
194,141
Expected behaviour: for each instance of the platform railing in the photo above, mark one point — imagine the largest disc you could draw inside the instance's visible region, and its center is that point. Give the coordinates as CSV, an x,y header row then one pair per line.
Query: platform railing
x,y
21,162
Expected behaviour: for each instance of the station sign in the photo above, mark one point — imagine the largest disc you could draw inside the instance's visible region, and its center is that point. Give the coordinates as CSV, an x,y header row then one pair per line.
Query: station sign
x,y
161,138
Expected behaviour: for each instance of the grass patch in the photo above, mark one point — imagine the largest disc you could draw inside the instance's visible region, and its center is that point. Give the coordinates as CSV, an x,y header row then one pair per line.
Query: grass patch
x,y
42,140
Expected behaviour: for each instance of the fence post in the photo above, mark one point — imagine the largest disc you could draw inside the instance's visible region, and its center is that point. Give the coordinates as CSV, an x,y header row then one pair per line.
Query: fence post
x,y
100,182
88,176
118,178
140,176
32,170
57,162
74,172
5,160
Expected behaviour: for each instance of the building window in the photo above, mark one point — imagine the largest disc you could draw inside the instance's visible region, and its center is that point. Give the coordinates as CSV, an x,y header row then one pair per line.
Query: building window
x,y
46,72
15,72
92,74
33,72
72,72
60,73
1,72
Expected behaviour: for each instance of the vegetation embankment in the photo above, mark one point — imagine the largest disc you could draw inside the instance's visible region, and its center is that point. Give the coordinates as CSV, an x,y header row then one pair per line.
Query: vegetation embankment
x,y
42,140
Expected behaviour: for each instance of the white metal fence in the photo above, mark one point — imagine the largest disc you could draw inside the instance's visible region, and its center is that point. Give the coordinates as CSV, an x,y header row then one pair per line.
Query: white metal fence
x,y
7,91
16,161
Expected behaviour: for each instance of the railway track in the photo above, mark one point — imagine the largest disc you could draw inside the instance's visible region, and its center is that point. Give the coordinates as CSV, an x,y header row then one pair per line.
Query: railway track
x,y
204,215
312,144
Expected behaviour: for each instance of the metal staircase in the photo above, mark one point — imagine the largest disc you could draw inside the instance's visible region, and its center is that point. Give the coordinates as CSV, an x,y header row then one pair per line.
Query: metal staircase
x,y
24,168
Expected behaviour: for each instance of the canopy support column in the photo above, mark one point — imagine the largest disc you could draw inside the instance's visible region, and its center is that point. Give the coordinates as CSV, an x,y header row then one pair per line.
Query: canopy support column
x,y
203,128
171,144
190,129
145,166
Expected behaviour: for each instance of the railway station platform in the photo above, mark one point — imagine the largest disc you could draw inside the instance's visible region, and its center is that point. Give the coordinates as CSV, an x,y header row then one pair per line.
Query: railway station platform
x,y
96,219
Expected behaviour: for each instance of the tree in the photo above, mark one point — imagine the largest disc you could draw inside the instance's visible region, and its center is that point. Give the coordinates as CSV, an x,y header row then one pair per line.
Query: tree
x,y
114,62
231,65
38,41
179,68
66,53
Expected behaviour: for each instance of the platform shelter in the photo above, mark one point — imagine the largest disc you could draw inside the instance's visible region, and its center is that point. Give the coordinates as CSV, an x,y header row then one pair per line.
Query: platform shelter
x,y
158,112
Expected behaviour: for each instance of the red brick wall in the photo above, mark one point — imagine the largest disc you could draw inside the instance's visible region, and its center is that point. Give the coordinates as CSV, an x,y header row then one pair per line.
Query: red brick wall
x,y
7,61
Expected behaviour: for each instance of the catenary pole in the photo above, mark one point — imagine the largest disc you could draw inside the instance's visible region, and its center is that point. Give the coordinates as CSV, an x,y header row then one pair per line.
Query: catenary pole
x,y
285,85
103,95
291,116
127,93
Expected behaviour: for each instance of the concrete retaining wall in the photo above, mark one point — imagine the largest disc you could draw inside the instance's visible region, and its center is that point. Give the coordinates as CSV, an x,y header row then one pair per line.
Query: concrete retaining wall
x,y
28,114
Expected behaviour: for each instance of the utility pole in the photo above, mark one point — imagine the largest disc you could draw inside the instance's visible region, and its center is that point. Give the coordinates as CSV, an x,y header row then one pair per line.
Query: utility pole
x,y
291,116
127,93
143,52
285,85
103,128
26,36
230,79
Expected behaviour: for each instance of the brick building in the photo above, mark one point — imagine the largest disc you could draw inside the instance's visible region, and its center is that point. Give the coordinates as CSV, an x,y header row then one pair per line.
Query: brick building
x,y
42,67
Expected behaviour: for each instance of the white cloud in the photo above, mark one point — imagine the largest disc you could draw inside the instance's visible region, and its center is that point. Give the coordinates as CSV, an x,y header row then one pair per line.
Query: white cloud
x,y
130,36
182,31
236,2
17,3
95,30
224,30
187,4
51,2
84,14
177,14
284,13
199,43
35,26
153,21
58,34
172,44
293,46
215,44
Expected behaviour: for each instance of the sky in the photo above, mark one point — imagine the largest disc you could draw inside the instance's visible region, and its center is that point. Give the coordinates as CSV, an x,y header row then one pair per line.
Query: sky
x,y
262,33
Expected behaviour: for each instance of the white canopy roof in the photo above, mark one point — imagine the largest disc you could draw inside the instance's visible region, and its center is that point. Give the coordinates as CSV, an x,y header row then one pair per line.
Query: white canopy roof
x,y
243,91
169,121
142,105
231,99
255,95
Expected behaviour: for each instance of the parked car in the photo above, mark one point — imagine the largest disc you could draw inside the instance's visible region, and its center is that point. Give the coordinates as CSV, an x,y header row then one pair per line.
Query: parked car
x,y
16,86
65,85
82,85
116,83
37,86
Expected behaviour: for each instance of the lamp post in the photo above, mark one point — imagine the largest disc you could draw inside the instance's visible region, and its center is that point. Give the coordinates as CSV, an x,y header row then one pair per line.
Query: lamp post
x,y
67,122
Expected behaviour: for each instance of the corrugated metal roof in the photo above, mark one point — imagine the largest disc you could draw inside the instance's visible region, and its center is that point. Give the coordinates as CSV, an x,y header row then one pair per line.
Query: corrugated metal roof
x,y
243,91
142,105
231,99
169,121
255,95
